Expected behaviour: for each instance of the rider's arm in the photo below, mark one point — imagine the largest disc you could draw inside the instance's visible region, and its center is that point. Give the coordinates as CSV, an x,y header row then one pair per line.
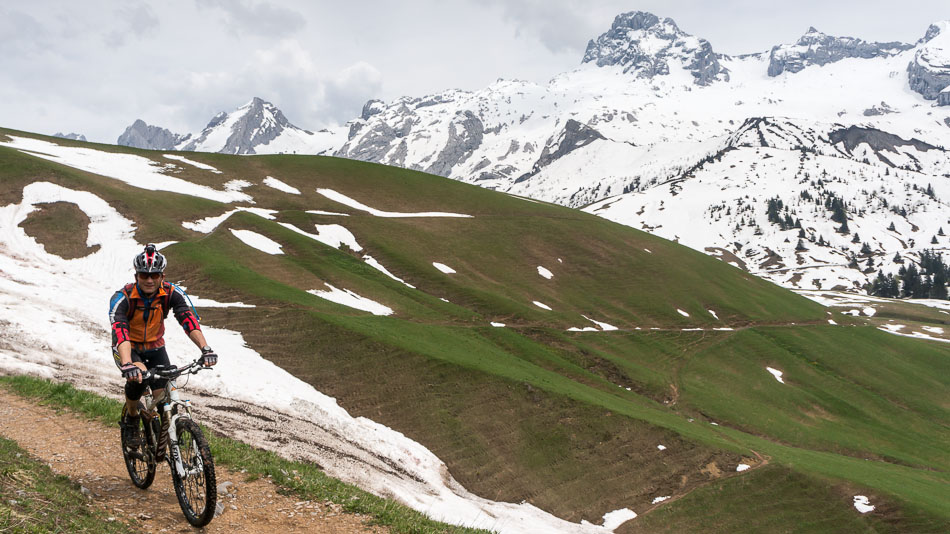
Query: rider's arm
x,y
184,313
118,317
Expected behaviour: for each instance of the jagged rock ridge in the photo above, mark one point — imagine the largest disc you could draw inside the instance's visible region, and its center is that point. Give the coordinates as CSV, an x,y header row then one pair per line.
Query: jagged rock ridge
x,y
817,48
72,135
142,135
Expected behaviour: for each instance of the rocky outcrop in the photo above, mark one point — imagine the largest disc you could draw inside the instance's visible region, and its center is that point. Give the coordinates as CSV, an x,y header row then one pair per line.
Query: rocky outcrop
x,y
929,72
817,48
877,140
575,135
142,135
643,44
465,136
372,107
73,136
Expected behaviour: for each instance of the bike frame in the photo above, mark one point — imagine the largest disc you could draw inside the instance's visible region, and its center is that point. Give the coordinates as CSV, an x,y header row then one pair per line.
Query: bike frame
x,y
172,408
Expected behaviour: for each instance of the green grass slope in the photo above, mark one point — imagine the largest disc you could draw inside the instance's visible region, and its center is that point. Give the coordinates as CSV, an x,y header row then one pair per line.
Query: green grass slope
x,y
570,421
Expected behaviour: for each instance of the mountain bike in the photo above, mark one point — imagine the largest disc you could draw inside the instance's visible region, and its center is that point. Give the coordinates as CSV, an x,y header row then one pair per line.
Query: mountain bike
x,y
171,434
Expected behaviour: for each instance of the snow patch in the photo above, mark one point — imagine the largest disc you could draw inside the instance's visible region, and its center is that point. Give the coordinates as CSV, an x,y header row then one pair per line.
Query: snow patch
x,y
742,467
351,299
545,273
443,267
270,181
541,305
681,312
258,241
862,504
321,212
193,163
332,235
660,499
355,204
776,373
713,314
208,303
614,519
379,267
661,447
497,325
208,224
603,326
869,311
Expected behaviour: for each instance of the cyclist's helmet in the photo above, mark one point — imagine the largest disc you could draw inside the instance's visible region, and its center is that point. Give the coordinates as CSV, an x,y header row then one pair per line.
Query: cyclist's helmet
x,y
149,260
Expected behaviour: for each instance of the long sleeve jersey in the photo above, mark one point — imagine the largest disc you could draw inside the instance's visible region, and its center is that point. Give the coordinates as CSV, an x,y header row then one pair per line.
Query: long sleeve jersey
x,y
141,320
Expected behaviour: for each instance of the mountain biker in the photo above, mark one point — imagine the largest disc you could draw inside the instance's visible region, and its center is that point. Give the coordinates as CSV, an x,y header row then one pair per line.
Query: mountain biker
x,y
137,313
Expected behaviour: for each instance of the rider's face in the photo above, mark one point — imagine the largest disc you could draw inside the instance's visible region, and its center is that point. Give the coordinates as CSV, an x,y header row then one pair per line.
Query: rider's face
x,y
148,282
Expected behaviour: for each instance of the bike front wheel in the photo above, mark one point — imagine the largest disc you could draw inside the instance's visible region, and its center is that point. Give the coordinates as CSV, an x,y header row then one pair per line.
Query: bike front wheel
x,y
138,458
195,488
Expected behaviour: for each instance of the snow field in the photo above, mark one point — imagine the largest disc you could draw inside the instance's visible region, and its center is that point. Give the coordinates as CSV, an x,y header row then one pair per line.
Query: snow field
x,y
128,168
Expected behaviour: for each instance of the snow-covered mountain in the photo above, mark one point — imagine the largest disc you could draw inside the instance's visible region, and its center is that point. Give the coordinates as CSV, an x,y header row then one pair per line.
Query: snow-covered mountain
x,y
257,127
652,110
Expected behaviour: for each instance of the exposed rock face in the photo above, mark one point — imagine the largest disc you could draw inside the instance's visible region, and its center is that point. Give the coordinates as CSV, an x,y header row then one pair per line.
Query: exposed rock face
x,y
641,43
574,136
372,107
817,48
929,72
255,123
878,140
141,135
73,136
465,136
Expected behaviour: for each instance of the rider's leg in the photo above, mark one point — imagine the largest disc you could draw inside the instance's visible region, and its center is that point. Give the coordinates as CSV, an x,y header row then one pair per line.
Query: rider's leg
x,y
133,392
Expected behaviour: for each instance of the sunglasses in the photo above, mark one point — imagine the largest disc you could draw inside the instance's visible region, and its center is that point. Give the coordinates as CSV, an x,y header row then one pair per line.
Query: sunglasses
x,y
153,276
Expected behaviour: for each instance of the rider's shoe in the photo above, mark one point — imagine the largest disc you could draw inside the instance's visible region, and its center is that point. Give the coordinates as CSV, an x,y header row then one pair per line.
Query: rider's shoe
x,y
130,431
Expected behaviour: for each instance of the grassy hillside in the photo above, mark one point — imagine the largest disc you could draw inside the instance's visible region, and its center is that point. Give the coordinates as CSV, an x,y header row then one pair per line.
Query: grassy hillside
x,y
569,421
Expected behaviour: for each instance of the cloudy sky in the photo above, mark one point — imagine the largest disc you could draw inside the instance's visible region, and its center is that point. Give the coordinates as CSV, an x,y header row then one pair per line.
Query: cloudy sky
x,y
95,66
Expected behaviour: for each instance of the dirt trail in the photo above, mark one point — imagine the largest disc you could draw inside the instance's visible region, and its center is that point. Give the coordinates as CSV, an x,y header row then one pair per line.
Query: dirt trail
x,y
88,453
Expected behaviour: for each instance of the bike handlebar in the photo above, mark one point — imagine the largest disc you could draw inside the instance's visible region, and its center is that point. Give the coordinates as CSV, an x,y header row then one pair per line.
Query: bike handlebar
x,y
173,372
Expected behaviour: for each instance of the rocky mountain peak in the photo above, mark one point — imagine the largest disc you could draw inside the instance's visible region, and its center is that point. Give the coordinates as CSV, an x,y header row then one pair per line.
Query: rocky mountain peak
x,y
929,72
72,135
142,135
255,123
818,48
643,44
935,30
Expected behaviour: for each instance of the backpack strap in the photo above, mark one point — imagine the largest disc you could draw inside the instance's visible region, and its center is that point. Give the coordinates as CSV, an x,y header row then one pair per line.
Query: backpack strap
x,y
127,290
167,301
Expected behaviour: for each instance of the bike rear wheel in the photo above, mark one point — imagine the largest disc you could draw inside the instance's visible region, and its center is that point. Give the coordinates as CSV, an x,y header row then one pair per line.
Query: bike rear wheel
x,y
138,459
196,490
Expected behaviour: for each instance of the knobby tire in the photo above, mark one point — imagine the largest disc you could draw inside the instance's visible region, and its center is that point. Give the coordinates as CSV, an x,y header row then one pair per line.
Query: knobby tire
x,y
197,493
138,460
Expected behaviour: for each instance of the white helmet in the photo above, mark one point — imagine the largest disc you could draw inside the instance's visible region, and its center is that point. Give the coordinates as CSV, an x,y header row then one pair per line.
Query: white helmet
x,y
149,260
